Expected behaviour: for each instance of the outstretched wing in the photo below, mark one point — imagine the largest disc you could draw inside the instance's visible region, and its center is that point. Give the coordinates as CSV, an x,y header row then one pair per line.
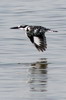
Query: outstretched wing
x,y
39,42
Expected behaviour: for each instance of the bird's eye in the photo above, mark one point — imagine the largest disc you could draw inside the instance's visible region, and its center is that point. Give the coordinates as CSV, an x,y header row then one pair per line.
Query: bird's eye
x,y
28,28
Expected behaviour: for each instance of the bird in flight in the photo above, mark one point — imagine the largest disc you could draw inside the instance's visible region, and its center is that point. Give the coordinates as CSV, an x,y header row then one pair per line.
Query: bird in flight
x,y
36,34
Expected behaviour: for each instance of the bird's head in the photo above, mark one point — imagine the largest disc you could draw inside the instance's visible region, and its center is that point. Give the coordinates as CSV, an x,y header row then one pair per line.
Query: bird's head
x,y
25,27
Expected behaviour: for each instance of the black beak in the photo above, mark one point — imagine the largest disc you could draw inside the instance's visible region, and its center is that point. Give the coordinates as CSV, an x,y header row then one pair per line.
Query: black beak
x,y
14,27
19,27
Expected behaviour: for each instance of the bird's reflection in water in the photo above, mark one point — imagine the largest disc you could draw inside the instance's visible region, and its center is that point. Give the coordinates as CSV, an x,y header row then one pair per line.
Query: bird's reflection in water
x,y
38,76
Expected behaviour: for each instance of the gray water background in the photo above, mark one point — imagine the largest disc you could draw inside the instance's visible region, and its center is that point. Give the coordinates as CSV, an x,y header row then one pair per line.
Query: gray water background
x,y
25,73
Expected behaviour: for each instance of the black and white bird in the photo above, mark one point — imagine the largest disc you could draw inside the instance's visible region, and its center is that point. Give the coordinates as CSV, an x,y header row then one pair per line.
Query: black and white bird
x,y
36,34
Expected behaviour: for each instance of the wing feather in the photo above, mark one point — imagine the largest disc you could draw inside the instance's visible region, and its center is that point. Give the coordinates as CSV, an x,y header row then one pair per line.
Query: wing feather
x,y
40,43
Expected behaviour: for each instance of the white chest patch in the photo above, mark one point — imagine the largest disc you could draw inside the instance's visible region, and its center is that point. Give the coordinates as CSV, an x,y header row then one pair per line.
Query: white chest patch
x,y
37,40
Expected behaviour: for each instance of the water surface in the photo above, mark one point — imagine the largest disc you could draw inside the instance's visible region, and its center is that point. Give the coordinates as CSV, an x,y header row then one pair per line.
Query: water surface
x,y
26,73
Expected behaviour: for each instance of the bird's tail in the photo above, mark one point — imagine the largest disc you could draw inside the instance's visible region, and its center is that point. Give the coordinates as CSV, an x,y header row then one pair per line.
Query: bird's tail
x,y
50,30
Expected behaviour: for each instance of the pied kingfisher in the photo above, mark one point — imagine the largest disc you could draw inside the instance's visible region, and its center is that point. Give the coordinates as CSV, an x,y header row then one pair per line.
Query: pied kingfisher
x,y
36,34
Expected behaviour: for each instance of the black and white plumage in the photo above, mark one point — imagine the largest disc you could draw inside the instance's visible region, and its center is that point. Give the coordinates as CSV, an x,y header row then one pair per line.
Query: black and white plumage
x,y
36,34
